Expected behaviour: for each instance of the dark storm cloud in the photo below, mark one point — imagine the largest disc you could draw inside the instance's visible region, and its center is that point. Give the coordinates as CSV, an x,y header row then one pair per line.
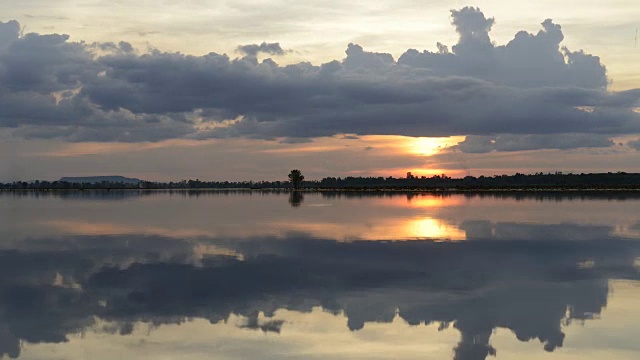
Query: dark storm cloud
x,y
530,86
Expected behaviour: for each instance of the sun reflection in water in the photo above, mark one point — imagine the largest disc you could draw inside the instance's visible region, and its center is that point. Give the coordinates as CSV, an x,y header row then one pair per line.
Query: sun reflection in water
x,y
433,201
429,228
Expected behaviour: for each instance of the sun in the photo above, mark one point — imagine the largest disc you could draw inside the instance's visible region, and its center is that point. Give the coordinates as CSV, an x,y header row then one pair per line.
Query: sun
x,y
428,146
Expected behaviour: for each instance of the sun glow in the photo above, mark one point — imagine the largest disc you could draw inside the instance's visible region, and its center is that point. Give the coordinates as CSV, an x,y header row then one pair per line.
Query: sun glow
x,y
428,146
424,201
429,228
433,201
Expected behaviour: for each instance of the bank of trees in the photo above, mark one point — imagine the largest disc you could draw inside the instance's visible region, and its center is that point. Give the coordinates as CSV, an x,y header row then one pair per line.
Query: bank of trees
x,y
619,180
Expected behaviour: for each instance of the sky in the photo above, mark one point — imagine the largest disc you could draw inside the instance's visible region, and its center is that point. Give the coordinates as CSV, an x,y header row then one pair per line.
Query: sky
x,y
247,90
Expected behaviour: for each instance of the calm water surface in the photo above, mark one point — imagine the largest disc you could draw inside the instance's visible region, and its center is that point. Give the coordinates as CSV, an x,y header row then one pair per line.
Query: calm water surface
x,y
252,275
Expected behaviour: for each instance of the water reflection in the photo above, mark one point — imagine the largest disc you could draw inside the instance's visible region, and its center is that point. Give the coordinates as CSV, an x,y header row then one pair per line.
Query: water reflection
x,y
532,288
296,198
340,216
534,268
429,228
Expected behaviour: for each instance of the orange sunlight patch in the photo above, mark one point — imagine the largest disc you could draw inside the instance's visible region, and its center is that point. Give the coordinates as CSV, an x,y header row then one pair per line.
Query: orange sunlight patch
x,y
428,146
434,202
434,229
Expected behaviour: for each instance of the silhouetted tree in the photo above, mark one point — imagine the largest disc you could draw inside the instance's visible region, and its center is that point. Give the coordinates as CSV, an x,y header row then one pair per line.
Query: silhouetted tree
x,y
296,177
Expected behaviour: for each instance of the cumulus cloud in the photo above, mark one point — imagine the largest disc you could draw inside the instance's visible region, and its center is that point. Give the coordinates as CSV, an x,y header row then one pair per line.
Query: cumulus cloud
x,y
529,60
528,87
9,32
473,28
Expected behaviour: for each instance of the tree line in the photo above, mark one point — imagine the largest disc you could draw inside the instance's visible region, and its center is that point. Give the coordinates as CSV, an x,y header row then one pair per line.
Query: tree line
x,y
557,180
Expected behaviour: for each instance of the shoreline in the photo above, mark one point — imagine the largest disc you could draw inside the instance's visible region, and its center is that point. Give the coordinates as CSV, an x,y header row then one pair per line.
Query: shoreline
x,y
340,190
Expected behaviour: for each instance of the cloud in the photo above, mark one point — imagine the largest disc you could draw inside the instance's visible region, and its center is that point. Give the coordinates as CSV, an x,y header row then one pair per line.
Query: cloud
x,y
54,88
635,144
529,60
45,64
295,141
253,50
473,28
9,32
506,142
350,137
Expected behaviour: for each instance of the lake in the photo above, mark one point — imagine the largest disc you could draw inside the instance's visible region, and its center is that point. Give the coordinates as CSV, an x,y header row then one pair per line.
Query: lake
x,y
351,275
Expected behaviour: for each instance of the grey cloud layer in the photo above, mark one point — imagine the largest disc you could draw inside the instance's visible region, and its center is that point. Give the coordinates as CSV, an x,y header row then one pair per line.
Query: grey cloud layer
x,y
53,88
506,142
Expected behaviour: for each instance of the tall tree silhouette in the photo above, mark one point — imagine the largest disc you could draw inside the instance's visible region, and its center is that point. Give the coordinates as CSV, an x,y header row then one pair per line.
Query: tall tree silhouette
x,y
296,177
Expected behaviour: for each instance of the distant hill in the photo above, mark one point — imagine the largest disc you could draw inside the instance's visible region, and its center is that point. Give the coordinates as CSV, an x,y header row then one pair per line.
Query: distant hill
x,y
98,179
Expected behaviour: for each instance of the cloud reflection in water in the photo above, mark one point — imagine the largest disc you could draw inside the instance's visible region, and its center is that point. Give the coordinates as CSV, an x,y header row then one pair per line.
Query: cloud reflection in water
x,y
530,287
533,278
